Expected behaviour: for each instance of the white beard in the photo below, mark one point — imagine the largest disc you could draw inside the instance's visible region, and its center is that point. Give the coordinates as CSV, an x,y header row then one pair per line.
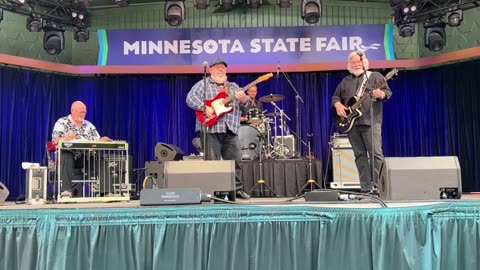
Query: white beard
x,y
219,79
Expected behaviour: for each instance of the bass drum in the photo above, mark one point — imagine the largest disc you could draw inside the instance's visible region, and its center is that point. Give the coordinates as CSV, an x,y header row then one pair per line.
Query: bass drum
x,y
249,138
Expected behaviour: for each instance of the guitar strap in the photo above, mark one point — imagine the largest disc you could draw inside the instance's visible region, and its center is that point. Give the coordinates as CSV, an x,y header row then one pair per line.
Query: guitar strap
x,y
362,86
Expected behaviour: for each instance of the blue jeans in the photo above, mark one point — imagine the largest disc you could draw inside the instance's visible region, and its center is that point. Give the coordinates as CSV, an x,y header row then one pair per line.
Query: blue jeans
x,y
360,137
225,146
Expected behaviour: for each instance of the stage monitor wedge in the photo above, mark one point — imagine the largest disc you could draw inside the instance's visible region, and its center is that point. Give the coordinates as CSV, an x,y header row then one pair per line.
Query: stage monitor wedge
x,y
167,152
215,177
4,192
420,178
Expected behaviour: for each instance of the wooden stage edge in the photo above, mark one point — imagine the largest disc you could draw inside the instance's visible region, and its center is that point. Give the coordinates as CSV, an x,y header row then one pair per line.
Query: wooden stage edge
x,y
468,197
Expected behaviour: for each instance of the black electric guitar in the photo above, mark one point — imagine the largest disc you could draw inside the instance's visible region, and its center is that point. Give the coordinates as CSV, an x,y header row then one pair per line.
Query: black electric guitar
x,y
344,124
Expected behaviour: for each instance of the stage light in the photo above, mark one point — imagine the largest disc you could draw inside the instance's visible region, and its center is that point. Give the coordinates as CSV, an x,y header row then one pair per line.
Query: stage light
x,y
121,3
201,4
174,12
53,39
455,18
34,24
17,2
227,4
81,35
311,11
435,37
254,3
406,30
284,3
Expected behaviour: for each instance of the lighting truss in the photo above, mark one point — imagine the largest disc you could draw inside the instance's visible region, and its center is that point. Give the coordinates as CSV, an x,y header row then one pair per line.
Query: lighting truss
x,y
429,9
58,11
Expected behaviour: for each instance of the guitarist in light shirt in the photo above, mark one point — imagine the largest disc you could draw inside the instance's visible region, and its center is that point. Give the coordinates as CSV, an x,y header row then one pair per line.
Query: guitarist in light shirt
x,y
360,134
222,136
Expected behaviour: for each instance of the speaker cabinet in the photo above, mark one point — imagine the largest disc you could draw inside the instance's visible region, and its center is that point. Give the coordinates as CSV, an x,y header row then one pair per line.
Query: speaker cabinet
x,y
4,192
215,177
420,178
344,169
167,152
155,170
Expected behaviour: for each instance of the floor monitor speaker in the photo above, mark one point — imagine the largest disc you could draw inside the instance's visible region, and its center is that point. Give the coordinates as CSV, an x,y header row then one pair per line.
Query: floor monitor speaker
x,y
215,177
167,152
420,178
4,192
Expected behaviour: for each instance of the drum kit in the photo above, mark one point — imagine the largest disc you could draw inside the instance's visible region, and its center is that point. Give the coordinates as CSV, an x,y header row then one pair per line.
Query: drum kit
x,y
267,133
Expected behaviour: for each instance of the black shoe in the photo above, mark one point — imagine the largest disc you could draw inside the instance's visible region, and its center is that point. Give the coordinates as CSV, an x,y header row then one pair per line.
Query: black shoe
x,y
242,195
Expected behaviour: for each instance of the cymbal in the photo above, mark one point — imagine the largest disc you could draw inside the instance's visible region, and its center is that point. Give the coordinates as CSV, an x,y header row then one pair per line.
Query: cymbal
x,y
271,97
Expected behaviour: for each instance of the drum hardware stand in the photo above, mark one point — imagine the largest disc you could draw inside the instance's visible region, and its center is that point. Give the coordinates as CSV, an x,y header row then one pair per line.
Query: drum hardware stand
x,y
312,182
261,182
279,148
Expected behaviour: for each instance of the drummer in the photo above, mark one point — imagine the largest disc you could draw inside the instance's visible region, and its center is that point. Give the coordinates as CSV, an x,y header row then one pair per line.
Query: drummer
x,y
252,105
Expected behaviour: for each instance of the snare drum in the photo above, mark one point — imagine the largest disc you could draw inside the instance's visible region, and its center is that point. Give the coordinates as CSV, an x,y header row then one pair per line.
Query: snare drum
x,y
255,116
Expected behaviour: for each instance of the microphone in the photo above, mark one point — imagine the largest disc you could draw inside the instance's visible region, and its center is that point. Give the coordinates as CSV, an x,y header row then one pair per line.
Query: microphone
x,y
205,65
359,53
278,71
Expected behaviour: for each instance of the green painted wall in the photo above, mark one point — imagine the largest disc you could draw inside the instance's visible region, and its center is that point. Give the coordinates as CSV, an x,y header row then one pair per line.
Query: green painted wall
x,y
16,40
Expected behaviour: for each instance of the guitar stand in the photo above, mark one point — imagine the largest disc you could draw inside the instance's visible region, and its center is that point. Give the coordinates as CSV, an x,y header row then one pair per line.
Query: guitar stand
x,y
313,184
261,182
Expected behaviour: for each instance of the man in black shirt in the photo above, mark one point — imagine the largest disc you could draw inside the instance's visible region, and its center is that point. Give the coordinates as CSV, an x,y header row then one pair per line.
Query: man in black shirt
x,y
253,106
360,135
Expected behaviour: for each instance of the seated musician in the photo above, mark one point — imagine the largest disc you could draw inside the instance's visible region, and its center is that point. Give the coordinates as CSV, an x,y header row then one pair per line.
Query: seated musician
x,y
252,103
68,128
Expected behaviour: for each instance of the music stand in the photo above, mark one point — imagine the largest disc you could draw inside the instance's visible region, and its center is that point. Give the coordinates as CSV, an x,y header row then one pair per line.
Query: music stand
x,y
261,182
310,181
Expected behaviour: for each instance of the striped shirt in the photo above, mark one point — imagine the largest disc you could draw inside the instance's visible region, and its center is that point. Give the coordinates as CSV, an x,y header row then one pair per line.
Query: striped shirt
x,y
229,121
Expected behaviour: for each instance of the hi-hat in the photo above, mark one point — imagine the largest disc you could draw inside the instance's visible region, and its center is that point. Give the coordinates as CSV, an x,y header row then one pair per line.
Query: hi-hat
x,y
271,97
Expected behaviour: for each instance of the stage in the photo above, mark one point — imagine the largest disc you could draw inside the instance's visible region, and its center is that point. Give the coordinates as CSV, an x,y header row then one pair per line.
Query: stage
x,y
260,233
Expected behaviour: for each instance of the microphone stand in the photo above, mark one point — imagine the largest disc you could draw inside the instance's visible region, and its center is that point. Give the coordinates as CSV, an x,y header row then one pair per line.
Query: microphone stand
x,y
204,125
372,153
298,98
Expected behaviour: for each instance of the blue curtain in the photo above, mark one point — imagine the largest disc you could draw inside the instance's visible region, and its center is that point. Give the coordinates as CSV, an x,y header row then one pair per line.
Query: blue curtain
x,y
432,112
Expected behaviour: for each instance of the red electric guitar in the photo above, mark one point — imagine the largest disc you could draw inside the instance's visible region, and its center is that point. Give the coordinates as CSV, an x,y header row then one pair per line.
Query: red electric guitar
x,y
219,104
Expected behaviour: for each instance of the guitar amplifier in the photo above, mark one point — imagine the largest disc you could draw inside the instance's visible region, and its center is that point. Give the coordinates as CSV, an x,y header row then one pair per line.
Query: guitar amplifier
x,y
344,169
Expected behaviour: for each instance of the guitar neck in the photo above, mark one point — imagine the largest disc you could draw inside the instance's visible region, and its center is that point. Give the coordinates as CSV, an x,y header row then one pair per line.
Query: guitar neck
x,y
367,94
245,88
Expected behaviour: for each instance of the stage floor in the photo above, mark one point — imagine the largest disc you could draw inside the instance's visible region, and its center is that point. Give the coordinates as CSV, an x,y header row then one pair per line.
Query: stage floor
x,y
267,201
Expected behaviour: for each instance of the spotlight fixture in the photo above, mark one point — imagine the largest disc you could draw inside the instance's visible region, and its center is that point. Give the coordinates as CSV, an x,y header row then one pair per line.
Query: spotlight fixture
x,y
17,2
121,3
34,24
81,35
174,12
201,4
435,37
254,3
53,39
227,4
311,11
406,30
284,3
455,17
